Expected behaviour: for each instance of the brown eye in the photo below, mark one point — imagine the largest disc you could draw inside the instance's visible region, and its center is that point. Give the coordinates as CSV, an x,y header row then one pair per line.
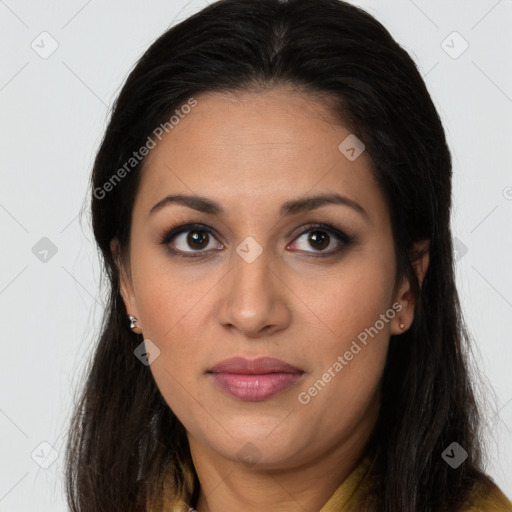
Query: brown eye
x,y
322,239
318,239
197,239
190,239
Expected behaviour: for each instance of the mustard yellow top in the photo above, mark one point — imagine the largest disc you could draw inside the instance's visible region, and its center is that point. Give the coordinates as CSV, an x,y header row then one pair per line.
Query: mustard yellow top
x,y
346,495
485,496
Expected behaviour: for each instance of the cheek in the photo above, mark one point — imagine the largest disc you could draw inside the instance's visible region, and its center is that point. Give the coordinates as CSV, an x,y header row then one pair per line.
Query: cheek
x,y
174,321
352,318
346,305
173,308
169,296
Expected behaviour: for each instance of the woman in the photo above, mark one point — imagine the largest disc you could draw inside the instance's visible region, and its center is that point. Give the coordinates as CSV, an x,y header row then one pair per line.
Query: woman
x,y
272,202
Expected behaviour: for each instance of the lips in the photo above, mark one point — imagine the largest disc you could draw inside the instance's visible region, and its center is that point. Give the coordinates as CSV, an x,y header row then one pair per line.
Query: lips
x,y
254,379
261,365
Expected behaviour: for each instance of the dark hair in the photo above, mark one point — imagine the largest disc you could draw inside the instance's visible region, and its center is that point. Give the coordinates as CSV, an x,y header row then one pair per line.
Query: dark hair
x,y
124,439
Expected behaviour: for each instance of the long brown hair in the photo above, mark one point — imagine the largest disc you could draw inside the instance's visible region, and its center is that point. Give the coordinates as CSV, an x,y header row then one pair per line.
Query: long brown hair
x,y
124,440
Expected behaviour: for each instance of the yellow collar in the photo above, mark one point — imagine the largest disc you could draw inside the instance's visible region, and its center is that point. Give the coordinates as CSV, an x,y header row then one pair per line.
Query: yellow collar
x,y
349,490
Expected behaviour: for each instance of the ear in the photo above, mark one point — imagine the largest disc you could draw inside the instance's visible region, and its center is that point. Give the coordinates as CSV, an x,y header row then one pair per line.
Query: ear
x,y
125,282
419,259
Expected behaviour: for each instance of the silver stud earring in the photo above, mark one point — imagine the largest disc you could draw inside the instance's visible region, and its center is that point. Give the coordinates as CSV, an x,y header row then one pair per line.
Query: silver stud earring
x,y
401,325
134,326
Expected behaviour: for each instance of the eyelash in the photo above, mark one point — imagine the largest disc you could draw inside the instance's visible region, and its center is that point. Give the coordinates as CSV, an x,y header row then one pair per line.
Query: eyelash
x,y
174,231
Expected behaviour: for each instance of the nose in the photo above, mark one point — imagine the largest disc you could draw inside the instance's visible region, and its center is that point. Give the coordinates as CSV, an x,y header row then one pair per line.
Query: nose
x,y
254,300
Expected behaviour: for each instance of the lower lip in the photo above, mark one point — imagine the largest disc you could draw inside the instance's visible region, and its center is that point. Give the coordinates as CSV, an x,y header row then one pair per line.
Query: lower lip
x,y
255,387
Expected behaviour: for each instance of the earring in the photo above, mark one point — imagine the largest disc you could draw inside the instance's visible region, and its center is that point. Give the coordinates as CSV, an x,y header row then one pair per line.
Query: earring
x,y
133,324
401,325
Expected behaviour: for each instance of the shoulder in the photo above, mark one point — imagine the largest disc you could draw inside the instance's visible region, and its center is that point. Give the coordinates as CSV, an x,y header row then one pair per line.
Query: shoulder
x,y
486,496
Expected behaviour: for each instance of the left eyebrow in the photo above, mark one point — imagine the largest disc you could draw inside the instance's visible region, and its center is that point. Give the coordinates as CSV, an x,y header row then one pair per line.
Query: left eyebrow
x,y
314,202
205,205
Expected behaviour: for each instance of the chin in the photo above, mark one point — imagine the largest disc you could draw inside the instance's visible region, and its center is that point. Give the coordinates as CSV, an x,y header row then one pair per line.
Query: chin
x,y
258,447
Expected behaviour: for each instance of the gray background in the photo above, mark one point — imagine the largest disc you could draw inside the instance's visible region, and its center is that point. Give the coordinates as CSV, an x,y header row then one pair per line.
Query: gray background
x,y
53,114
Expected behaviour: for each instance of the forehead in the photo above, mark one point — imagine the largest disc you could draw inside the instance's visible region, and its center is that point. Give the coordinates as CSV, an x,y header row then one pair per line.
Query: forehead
x,y
257,149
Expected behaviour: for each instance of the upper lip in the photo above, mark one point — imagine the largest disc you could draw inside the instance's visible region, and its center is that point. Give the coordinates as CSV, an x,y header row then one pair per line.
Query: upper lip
x,y
260,365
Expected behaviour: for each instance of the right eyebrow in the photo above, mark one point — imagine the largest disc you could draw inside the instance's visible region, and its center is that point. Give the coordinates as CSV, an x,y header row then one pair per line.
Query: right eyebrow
x,y
199,203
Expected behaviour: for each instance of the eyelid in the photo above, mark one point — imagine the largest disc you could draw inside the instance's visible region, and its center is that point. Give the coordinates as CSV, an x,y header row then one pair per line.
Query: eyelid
x,y
321,226
344,238
181,228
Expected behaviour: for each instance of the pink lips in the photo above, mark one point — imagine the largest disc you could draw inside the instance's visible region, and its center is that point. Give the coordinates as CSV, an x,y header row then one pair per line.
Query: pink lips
x,y
254,379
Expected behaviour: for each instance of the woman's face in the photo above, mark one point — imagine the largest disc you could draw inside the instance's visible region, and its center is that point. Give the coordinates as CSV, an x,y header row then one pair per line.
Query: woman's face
x,y
259,277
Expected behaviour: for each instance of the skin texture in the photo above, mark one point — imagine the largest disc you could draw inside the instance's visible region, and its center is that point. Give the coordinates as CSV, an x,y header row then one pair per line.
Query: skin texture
x,y
251,152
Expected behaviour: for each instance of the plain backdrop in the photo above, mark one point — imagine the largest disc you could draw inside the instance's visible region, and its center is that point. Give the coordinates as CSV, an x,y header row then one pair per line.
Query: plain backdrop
x,y
62,64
